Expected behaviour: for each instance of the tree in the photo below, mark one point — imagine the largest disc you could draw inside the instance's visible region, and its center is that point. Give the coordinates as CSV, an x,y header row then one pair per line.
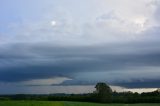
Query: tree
x,y
103,92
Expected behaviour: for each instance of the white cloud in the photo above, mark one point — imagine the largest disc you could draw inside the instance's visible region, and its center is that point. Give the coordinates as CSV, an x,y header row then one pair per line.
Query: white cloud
x,y
138,90
50,81
131,16
117,19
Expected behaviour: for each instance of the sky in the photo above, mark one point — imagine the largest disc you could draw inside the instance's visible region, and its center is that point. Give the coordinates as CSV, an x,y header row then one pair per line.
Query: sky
x,y
50,46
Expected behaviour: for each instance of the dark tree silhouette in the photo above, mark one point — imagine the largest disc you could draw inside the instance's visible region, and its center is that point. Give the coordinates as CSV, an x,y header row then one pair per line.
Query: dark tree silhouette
x,y
103,92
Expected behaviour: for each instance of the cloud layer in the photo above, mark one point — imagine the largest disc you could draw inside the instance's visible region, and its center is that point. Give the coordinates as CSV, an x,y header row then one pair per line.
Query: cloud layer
x,y
66,44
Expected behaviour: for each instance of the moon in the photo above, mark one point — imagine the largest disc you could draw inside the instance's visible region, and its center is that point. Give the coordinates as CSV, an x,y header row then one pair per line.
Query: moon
x,y
53,23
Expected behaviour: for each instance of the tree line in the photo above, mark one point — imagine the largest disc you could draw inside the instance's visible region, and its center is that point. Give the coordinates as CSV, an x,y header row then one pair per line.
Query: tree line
x,y
103,94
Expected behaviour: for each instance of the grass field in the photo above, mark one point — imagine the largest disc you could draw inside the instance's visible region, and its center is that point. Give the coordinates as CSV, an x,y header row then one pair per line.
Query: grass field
x,y
44,103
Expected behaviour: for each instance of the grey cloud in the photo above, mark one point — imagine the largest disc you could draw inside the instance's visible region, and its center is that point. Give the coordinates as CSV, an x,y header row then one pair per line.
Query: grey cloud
x,y
148,83
36,61
156,3
103,41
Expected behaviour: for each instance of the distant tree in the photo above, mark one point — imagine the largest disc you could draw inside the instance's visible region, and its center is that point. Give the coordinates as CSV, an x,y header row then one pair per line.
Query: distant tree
x,y
103,92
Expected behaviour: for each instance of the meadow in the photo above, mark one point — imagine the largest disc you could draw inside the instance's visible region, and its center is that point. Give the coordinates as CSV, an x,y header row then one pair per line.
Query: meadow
x,y
64,103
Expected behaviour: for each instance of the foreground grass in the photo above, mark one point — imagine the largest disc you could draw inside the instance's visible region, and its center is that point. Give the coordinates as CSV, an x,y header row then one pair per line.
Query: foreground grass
x,y
46,103
97,104
30,103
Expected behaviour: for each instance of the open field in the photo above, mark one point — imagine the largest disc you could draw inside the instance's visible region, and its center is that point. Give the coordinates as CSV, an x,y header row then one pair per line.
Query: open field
x,y
45,103
30,103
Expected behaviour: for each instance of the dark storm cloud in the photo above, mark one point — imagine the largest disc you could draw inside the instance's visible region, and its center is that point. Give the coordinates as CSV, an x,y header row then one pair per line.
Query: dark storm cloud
x,y
148,83
22,62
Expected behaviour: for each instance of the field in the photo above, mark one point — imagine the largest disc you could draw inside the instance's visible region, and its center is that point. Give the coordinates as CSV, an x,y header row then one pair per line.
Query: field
x,y
44,103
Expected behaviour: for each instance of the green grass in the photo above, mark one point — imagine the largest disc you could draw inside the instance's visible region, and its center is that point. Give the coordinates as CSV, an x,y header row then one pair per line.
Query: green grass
x,y
96,104
45,103
30,103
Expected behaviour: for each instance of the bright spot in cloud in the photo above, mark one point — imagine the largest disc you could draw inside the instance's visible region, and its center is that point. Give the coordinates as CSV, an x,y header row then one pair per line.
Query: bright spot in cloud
x,y
140,21
53,23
